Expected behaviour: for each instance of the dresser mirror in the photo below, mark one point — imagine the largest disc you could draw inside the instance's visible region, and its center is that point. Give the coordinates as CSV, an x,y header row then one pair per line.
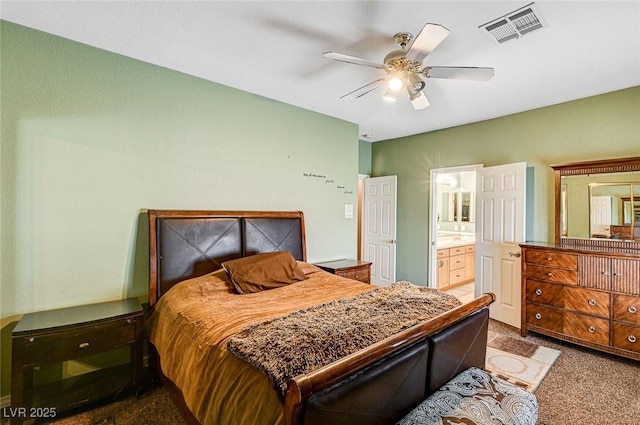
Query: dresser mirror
x,y
598,200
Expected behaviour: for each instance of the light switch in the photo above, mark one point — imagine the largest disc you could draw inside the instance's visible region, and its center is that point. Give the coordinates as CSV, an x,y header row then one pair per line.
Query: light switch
x,y
348,210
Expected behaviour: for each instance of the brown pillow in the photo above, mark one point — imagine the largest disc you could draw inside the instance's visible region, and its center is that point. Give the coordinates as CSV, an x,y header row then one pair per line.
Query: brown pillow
x,y
263,271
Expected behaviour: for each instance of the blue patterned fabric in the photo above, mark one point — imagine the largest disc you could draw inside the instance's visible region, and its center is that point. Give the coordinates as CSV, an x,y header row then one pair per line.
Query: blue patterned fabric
x,y
475,398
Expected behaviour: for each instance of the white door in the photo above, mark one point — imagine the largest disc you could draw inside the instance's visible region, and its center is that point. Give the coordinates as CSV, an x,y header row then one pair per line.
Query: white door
x,y
379,233
500,217
600,216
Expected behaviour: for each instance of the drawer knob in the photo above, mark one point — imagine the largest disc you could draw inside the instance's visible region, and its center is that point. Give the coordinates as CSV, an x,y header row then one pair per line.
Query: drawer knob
x,y
549,258
633,309
538,291
592,302
538,316
32,339
549,274
592,329
83,345
631,338
604,273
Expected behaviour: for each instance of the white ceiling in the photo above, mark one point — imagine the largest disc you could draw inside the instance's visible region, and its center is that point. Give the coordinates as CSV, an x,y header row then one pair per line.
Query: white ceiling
x,y
274,49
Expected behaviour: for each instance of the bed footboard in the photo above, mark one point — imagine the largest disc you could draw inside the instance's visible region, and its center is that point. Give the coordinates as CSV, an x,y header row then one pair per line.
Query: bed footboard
x,y
382,383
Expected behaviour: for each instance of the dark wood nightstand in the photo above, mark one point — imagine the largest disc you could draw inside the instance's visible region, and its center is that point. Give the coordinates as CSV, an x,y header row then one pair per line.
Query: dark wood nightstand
x,y
352,269
69,357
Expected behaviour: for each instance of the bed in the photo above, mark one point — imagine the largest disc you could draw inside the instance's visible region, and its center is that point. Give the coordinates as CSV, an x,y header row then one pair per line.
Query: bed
x,y
198,321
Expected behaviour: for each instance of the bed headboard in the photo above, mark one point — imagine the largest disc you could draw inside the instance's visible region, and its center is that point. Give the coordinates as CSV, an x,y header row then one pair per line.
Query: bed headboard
x,y
188,244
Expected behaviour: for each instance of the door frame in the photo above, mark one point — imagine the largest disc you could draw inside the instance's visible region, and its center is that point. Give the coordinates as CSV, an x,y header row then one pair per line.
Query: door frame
x,y
433,214
361,178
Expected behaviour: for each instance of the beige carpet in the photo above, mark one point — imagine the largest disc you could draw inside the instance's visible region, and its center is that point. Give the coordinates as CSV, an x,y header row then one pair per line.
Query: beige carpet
x,y
583,387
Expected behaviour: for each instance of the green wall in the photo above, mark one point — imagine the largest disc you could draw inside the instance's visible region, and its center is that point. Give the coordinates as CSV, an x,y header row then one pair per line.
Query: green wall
x,y
605,126
364,158
91,139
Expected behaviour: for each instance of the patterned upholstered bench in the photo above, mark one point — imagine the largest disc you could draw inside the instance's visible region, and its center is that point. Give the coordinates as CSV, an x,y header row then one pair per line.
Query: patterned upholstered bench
x,y
475,397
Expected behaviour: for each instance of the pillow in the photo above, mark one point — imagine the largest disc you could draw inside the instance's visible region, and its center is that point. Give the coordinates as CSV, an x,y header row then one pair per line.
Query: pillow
x,y
263,271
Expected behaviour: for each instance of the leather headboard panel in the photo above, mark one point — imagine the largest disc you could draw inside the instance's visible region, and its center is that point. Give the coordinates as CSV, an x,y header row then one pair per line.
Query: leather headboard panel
x,y
185,244
189,248
273,234
378,395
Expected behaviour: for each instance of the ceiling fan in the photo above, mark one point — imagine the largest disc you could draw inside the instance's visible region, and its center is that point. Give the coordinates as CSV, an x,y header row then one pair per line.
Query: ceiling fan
x,y
405,69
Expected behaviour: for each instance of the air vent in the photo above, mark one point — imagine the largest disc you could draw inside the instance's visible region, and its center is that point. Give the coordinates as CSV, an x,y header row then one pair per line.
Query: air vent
x,y
514,25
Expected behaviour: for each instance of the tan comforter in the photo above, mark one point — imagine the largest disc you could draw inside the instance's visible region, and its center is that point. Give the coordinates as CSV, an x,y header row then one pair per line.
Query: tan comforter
x,y
190,328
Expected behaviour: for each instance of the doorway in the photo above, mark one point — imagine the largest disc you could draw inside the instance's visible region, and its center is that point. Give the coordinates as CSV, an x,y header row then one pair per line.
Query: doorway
x,y
497,217
452,227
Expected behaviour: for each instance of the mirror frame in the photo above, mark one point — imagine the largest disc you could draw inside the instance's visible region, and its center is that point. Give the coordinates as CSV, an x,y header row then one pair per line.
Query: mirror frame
x,y
617,165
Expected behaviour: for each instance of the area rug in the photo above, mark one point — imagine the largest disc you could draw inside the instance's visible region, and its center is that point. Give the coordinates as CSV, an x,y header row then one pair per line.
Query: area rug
x,y
522,363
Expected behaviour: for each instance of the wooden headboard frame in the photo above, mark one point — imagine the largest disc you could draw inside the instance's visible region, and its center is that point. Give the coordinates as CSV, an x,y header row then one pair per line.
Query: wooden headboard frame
x,y
187,244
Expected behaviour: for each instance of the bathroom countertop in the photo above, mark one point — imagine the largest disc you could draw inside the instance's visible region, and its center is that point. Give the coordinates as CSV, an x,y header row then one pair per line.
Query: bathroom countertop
x,y
452,244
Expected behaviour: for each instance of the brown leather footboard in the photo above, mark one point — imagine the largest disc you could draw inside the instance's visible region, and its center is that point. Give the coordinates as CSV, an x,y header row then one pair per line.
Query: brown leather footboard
x,y
379,394
387,390
455,349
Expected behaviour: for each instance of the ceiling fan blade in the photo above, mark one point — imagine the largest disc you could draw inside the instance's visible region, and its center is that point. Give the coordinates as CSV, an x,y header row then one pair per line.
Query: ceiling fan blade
x,y
363,90
351,59
428,39
420,101
459,72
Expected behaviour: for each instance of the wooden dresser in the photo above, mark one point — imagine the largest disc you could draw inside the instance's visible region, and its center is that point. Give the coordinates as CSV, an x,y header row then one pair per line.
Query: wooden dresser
x,y
583,294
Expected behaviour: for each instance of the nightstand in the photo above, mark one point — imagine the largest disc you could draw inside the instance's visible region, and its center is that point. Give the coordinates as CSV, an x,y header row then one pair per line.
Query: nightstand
x,y
352,269
69,357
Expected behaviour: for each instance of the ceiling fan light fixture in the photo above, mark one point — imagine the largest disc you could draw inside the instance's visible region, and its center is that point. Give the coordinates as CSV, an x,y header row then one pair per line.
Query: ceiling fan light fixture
x,y
419,100
395,83
404,67
415,83
390,95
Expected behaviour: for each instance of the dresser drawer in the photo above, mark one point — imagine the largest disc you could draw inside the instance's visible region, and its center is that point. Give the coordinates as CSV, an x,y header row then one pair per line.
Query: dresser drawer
x,y
567,261
457,262
626,308
626,337
544,317
586,327
545,293
77,342
595,303
363,275
552,274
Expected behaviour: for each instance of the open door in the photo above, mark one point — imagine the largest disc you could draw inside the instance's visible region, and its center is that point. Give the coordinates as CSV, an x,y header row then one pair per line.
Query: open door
x,y
501,194
379,233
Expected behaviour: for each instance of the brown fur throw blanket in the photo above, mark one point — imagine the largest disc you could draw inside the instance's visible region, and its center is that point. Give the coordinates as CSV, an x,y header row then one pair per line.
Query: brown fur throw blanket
x,y
308,339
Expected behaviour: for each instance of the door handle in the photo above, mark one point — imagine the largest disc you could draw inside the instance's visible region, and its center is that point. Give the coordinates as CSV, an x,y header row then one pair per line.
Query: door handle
x,y
391,241
514,254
